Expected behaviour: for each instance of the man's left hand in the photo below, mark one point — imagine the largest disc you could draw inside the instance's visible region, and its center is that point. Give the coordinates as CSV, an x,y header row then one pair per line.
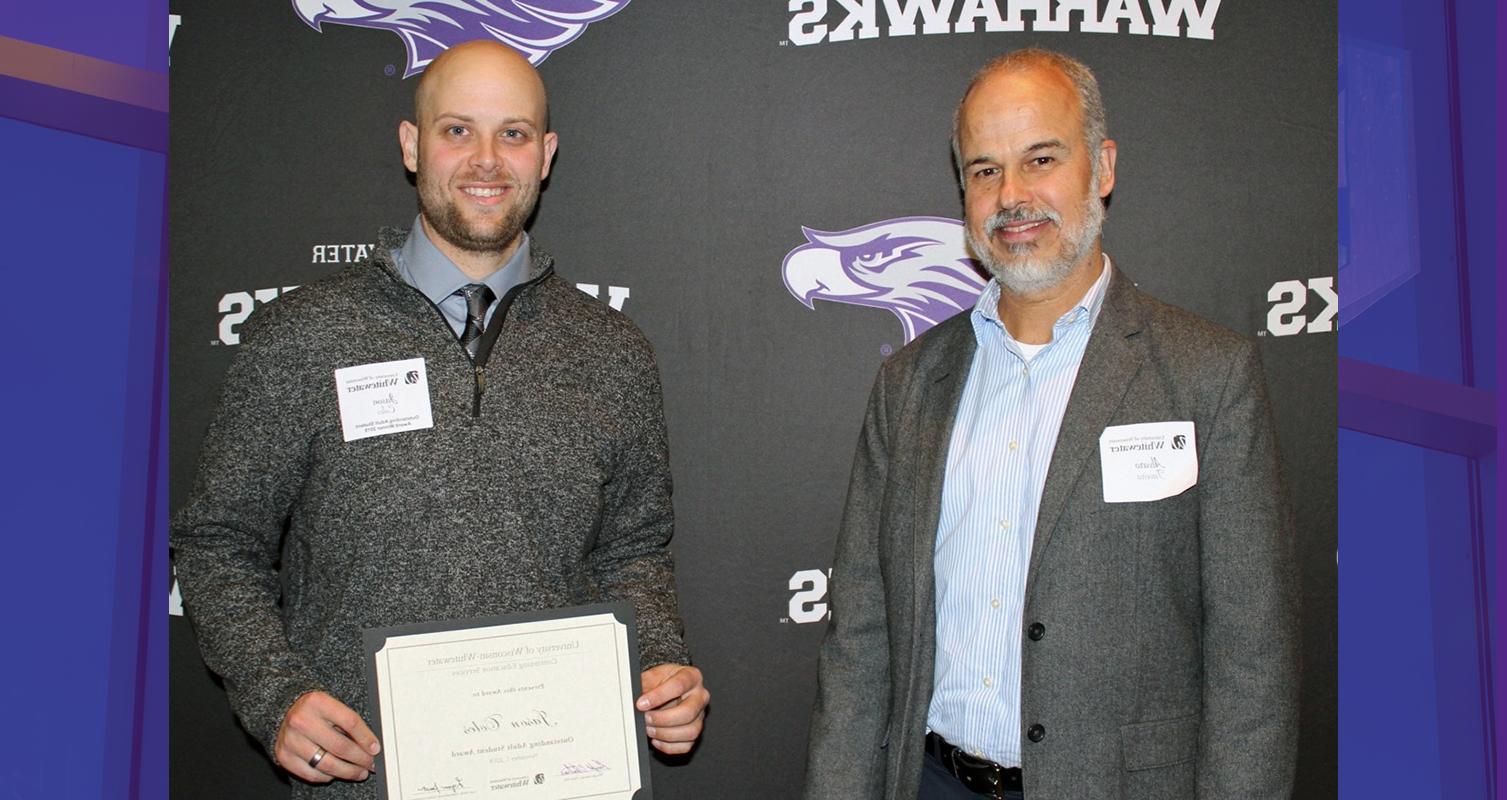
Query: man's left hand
x,y
674,702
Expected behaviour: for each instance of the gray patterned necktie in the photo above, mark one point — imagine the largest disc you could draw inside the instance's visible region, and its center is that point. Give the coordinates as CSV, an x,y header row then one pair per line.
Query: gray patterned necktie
x,y
479,298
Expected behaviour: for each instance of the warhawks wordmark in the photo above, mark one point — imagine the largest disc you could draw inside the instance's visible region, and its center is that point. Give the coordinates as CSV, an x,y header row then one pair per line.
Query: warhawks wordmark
x,y
816,21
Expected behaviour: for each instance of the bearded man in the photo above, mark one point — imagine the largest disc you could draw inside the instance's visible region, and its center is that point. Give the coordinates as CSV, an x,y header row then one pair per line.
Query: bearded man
x,y
1065,568
542,482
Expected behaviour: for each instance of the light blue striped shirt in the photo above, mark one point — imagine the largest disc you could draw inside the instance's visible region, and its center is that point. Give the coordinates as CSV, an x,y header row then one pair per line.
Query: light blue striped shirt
x,y
997,459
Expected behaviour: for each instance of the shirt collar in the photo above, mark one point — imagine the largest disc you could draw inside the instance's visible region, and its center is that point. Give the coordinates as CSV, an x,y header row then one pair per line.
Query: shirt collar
x,y
1087,308
425,268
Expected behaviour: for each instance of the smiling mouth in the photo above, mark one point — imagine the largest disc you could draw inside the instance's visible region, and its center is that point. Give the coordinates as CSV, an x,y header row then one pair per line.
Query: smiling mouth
x,y
484,191
1021,227
1020,234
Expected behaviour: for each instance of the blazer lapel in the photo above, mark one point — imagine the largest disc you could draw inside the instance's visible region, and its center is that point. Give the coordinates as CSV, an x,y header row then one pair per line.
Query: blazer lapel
x,y
939,392
1110,361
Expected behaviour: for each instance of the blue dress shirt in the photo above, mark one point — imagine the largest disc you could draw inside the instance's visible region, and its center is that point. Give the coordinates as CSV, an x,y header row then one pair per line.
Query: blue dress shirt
x,y
1002,441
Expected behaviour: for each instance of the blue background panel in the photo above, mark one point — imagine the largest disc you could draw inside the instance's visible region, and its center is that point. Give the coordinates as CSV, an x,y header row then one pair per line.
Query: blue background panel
x,y
82,377
130,33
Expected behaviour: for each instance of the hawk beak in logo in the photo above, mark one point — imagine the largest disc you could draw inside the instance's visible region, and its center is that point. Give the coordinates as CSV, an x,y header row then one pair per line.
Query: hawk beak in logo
x,y
811,272
310,12
314,11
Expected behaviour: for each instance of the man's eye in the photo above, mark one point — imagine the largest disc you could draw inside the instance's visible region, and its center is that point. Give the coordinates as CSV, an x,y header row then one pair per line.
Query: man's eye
x,y
456,130
1042,161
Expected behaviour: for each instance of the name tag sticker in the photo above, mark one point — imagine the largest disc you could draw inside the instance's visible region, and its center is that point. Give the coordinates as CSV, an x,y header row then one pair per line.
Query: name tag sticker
x,y
378,399
1147,461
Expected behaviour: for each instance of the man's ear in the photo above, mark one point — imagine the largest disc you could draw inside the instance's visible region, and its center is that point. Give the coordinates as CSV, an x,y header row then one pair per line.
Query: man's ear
x,y
1107,153
408,141
551,143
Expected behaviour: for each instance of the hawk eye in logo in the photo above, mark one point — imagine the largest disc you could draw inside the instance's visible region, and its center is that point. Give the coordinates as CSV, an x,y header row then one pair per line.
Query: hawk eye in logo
x,y
1179,441
534,28
412,377
915,267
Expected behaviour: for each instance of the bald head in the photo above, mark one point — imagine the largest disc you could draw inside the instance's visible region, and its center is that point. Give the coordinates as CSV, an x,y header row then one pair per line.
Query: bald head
x,y
480,147
480,62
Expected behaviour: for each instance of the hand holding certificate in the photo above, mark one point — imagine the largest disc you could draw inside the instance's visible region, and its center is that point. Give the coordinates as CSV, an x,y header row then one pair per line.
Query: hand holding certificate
x,y
535,705
674,705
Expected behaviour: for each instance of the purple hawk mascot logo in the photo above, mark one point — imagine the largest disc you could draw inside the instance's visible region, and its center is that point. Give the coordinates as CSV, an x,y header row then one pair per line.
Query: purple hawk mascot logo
x,y
916,267
534,28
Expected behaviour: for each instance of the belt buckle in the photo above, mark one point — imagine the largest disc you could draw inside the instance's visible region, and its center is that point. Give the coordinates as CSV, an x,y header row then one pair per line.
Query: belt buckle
x,y
979,775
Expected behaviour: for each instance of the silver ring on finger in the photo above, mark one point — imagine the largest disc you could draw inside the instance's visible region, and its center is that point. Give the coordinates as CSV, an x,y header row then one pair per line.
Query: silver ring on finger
x,y
316,758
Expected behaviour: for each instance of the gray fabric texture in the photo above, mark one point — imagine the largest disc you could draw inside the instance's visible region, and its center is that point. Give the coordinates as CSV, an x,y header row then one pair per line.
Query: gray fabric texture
x,y
295,540
1168,664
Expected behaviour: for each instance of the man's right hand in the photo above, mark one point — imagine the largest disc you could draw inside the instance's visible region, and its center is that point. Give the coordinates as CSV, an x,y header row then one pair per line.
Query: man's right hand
x,y
319,723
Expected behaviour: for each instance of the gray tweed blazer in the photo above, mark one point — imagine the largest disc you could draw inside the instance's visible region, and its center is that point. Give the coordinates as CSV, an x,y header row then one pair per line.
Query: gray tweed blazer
x,y
1167,666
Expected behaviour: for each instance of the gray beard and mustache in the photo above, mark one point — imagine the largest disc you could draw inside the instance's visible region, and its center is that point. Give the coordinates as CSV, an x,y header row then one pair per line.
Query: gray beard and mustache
x,y
1029,272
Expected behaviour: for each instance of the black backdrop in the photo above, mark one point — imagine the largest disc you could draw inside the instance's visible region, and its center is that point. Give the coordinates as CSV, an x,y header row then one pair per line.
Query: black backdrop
x,y
697,141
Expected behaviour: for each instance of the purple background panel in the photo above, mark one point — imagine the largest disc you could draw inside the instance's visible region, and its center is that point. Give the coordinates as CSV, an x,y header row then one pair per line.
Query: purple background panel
x,y
84,322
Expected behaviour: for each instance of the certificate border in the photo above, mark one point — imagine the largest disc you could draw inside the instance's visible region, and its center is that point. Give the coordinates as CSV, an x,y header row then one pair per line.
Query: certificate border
x,y
374,639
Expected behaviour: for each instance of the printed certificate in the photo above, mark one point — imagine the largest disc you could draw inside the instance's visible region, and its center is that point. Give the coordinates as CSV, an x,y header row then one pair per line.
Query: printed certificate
x,y
536,706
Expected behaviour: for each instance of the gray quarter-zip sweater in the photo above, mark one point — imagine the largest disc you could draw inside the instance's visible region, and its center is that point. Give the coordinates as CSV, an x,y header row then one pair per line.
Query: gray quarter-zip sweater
x,y
553,490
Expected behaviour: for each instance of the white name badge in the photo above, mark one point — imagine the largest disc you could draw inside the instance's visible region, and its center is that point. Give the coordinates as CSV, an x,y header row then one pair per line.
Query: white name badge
x,y
378,399
1147,461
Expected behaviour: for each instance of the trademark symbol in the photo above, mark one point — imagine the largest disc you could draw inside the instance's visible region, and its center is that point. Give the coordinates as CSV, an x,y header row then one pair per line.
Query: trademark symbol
x,y
885,350
784,620
784,43
389,70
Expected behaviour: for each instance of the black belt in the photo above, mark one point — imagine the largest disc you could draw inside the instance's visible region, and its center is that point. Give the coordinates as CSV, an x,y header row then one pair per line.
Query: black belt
x,y
979,774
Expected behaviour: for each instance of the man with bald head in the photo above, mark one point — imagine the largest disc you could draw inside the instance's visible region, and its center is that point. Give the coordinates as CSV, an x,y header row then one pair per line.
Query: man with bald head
x,y
542,482
1065,569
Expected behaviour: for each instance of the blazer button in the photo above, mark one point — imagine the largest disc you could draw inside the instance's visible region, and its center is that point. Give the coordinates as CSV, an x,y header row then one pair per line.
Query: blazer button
x,y
1036,631
1036,733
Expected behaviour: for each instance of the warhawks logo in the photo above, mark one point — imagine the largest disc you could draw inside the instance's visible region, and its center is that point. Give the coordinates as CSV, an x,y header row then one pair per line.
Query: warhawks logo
x,y
534,28
916,267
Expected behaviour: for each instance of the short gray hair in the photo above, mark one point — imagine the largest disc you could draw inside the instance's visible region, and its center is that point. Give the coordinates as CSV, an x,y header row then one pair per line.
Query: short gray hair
x,y
1095,126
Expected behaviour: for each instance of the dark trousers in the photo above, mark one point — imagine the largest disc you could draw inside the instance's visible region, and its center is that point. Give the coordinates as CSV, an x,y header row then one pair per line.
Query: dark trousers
x,y
939,784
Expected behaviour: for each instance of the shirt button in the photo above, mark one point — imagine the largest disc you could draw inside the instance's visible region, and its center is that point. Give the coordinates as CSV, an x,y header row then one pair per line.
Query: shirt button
x,y
994,603
1036,631
1036,733
1025,370
988,681
1014,445
1004,524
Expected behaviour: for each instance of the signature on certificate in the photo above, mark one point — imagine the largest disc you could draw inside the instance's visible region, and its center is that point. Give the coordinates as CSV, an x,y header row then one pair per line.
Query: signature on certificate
x,y
592,767
437,788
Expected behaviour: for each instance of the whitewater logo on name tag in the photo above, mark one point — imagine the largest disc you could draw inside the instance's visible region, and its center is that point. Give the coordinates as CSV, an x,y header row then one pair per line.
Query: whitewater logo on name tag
x,y
1147,461
378,399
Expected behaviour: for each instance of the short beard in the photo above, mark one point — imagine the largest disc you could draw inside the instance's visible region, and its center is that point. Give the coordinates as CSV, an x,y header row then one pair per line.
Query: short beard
x,y
1030,274
445,220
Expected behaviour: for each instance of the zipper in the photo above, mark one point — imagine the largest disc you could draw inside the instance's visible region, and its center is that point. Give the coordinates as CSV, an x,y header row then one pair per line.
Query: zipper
x,y
489,336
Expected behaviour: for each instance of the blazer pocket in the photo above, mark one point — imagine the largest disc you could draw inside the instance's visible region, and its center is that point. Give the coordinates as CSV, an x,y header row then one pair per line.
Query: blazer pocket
x,y
1149,745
